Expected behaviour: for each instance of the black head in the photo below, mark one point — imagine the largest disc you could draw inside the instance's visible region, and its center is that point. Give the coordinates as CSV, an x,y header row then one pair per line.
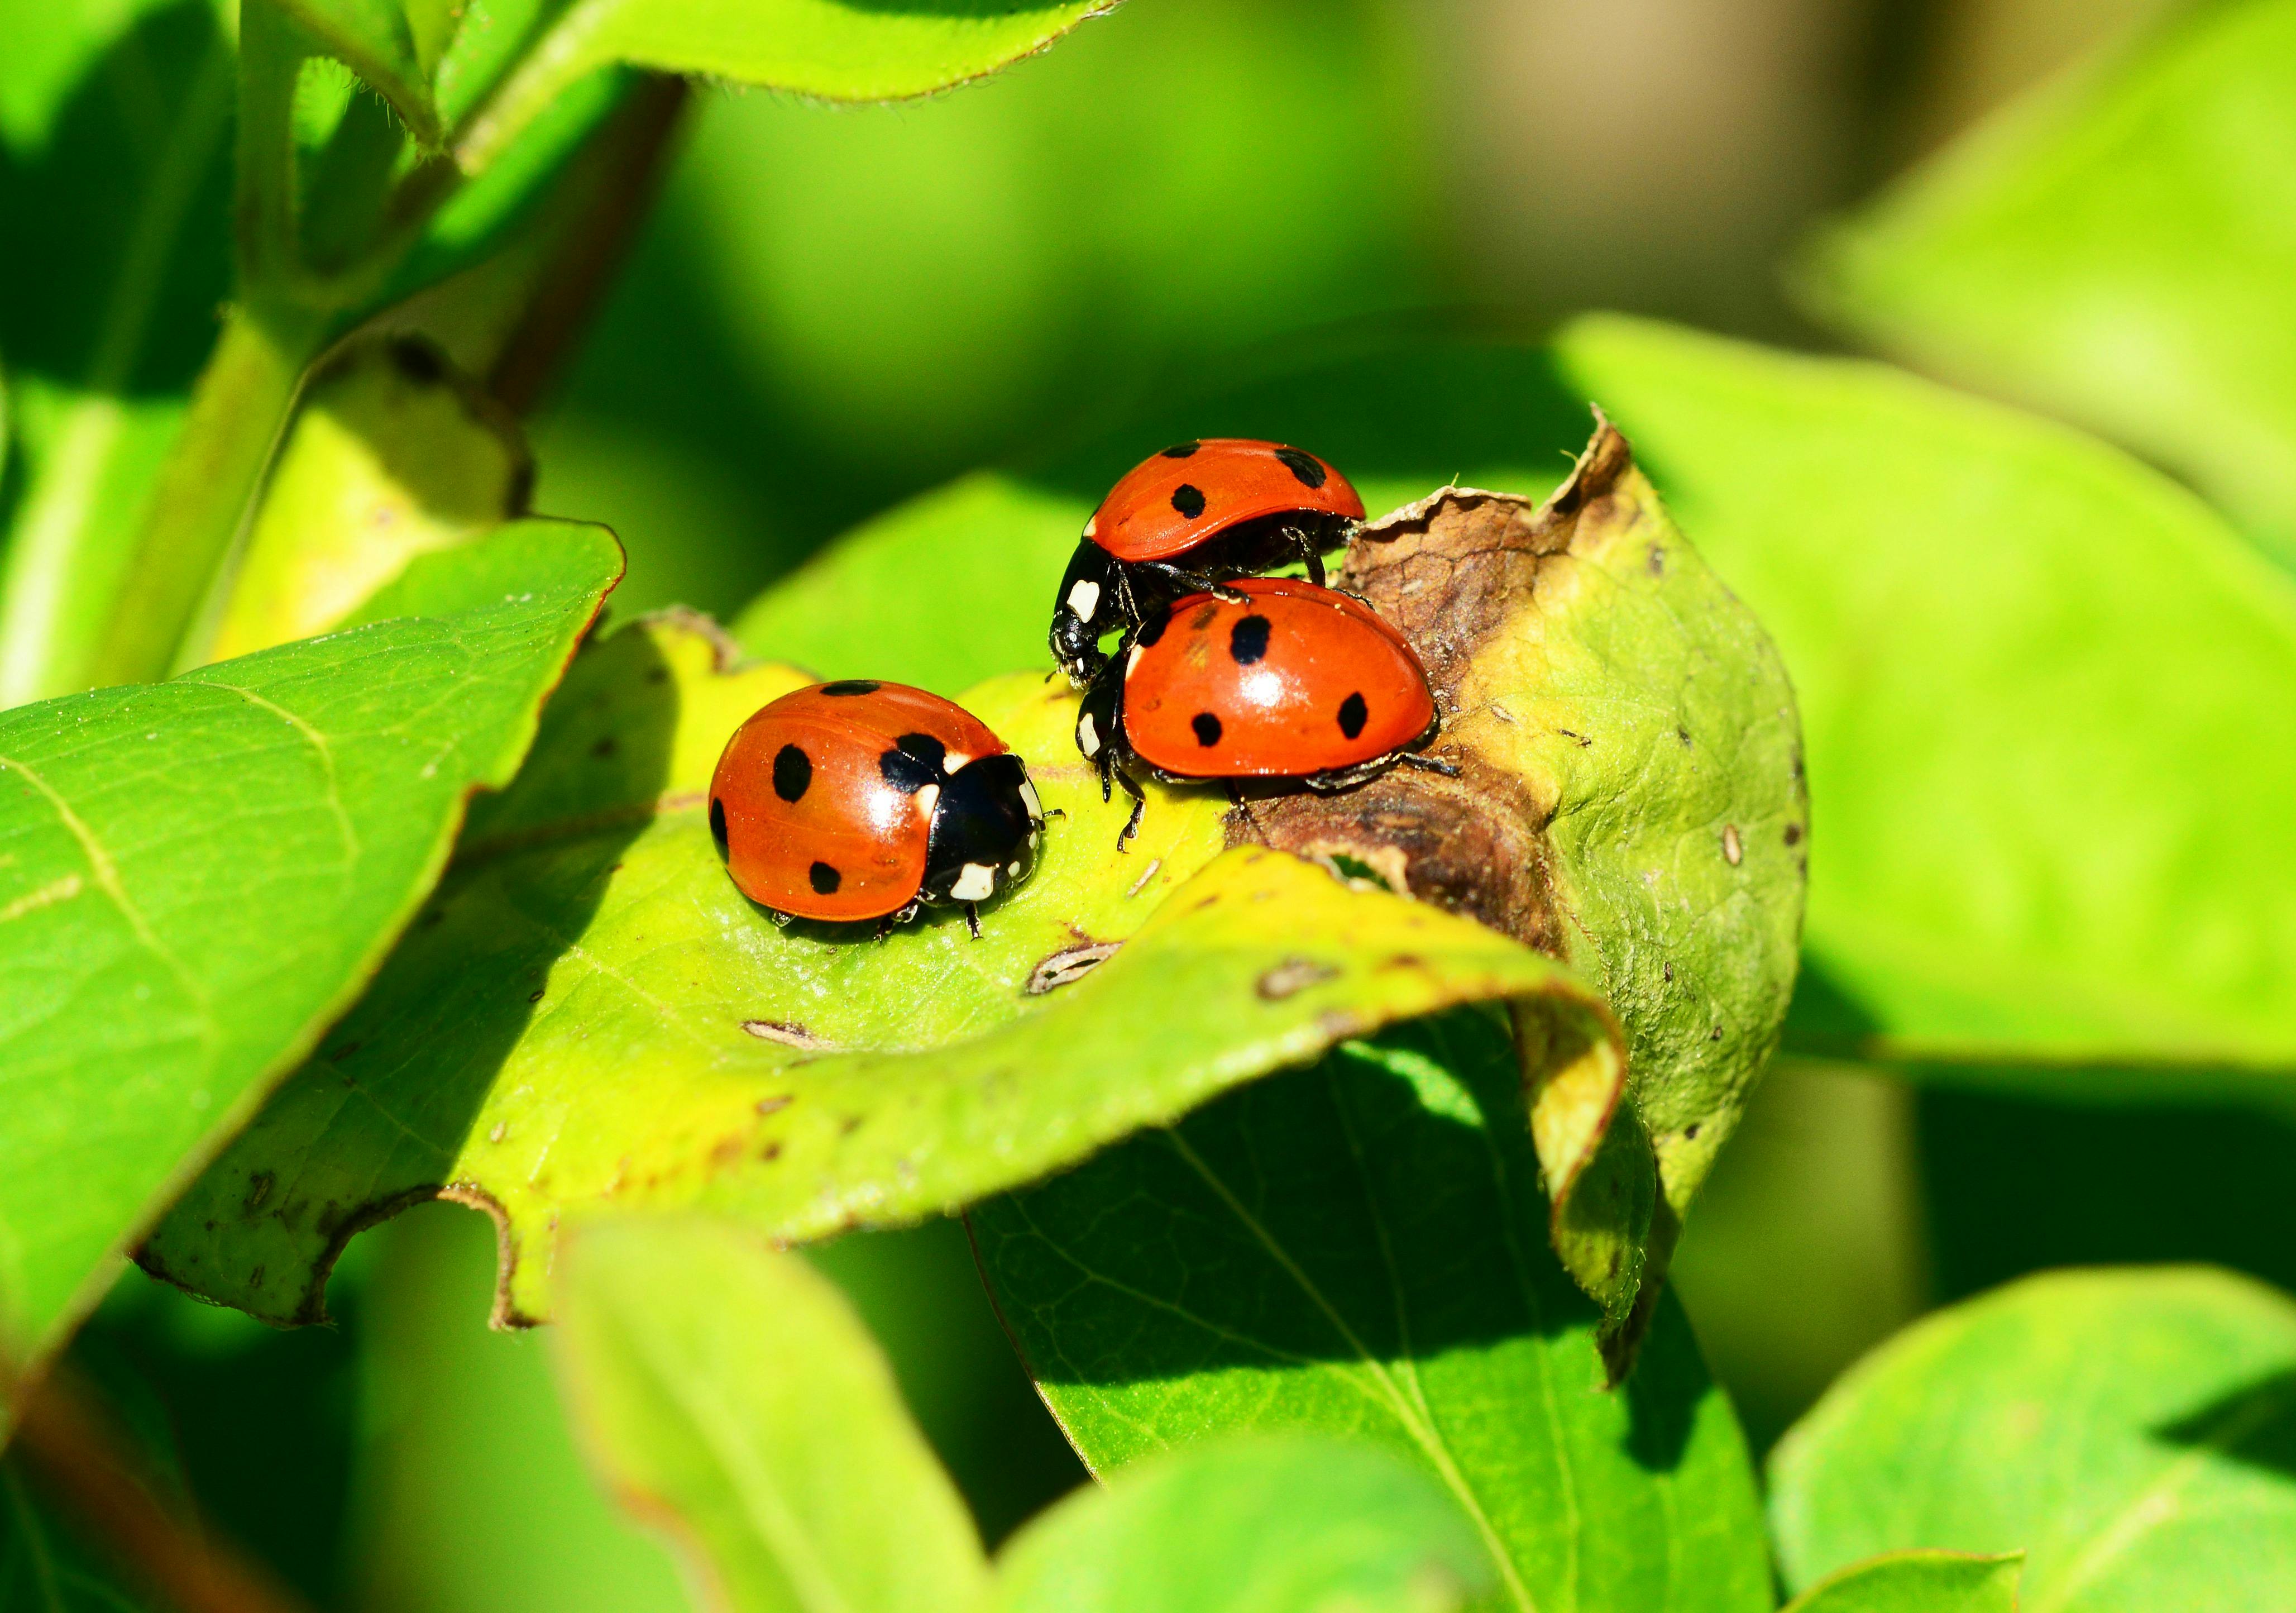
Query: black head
x,y
986,828
1084,609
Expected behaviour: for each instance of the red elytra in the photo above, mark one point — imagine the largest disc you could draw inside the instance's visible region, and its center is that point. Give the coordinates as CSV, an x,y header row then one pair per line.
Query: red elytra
x,y
1293,681
805,813
1172,501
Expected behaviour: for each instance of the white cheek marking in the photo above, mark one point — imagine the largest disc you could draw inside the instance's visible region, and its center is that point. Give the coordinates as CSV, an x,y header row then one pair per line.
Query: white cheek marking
x,y
953,761
1014,869
1091,525
928,798
1087,735
978,883
1131,662
1084,599
1029,799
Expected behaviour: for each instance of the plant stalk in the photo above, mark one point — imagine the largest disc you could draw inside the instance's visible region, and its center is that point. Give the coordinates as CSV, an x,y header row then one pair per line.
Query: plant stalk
x,y
201,499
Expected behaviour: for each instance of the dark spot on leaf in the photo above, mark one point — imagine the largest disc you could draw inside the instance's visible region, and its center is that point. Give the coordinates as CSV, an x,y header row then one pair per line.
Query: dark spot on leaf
x,y
852,1124
1182,450
1583,743
716,826
851,685
771,1151
416,361
342,1052
1657,561
1188,499
1207,728
1690,1132
605,747
823,878
258,1189
1793,833
1670,973
1615,1261
1683,735
1306,468
775,1104
1715,1034
792,773
1292,977
255,1278
1353,714
658,675
534,995
1247,640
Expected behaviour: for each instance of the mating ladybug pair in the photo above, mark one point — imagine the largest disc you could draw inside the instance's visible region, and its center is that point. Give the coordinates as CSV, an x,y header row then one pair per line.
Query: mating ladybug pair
x,y
858,800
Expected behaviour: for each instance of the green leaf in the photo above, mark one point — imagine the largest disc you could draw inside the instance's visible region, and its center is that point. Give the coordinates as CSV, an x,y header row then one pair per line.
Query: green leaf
x,y
803,1079
115,158
2046,693
981,540
391,456
2132,1431
1359,1249
1275,1526
2115,249
730,1392
196,877
44,1566
1918,1581
840,50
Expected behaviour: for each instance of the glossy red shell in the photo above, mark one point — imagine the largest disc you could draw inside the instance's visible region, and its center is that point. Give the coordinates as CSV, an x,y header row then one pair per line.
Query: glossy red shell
x,y
1297,680
1224,481
843,817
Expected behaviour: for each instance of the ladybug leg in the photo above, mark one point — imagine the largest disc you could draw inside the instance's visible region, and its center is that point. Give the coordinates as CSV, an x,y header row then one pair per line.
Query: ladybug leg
x,y
1428,764
1241,802
1197,582
972,918
1139,806
1311,555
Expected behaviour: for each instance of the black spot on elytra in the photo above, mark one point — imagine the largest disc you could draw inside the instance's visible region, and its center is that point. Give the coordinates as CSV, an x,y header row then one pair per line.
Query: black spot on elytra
x,y
1353,714
925,748
1207,728
1306,468
717,824
851,685
905,772
1247,640
825,879
1151,629
792,773
1181,450
417,361
1188,499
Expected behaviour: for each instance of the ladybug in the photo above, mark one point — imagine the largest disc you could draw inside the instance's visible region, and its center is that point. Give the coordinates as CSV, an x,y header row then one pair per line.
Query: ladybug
x,y
1285,680
1185,521
860,800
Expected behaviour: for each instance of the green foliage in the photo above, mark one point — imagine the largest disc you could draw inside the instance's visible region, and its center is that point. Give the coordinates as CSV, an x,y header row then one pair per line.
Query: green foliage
x,y
729,1392
199,875
809,1082
1357,1250
1918,1581
1301,1526
2130,1431
2118,251
2031,843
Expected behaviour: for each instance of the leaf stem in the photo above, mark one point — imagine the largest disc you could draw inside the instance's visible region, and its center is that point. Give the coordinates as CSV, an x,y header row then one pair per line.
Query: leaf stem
x,y
199,503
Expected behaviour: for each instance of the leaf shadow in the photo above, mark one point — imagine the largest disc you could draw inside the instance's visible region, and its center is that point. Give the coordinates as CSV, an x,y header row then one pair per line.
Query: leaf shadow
x,y
1378,1211
527,874
2254,1425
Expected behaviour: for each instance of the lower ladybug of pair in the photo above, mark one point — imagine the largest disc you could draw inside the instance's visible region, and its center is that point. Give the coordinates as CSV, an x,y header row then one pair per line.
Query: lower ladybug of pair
x,y
1271,679
860,800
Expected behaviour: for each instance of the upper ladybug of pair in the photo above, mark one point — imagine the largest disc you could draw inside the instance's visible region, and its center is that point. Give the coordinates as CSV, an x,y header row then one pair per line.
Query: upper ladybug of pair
x,y
1265,676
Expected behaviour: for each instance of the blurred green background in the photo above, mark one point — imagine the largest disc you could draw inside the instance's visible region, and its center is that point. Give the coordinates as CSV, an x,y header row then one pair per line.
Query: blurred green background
x,y
832,309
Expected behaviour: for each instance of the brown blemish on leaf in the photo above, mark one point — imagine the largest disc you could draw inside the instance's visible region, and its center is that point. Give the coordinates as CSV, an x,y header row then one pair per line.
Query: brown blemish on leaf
x,y
1292,976
775,1104
1732,851
786,1032
1068,966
